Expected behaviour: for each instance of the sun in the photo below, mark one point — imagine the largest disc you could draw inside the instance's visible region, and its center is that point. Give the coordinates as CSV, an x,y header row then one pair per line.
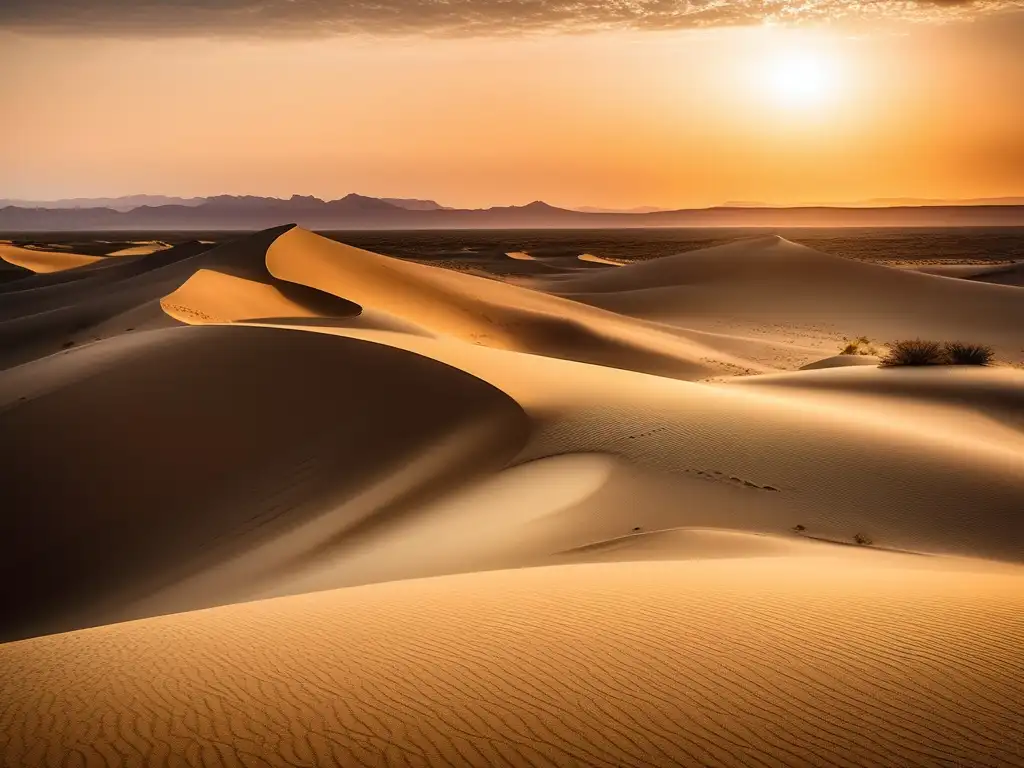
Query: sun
x,y
800,78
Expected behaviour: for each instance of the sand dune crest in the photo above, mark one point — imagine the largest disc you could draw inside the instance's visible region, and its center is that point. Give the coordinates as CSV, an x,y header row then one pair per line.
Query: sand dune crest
x,y
770,283
45,261
487,312
214,297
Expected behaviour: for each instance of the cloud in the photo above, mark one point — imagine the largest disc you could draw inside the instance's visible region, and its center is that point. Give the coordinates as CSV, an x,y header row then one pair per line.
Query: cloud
x,y
450,17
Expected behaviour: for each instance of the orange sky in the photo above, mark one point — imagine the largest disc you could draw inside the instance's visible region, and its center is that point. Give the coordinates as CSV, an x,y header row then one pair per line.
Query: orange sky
x,y
612,118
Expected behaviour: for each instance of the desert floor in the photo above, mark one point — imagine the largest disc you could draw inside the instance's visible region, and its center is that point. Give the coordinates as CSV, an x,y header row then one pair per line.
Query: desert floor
x,y
283,501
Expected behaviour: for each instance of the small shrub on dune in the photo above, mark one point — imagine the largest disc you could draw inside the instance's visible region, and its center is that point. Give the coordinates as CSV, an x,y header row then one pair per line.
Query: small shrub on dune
x,y
850,348
859,346
959,353
862,540
915,352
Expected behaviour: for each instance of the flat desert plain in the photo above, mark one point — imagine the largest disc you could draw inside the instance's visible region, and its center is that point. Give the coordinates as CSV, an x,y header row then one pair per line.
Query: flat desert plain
x,y
285,502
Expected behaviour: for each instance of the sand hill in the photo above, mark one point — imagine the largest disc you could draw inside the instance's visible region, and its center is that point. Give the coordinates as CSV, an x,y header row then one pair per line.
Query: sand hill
x,y
44,261
1009,275
223,403
775,287
287,502
48,313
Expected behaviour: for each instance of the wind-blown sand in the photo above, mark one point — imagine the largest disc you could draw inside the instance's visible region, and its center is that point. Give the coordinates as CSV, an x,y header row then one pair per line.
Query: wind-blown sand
x,y
760,662
364,511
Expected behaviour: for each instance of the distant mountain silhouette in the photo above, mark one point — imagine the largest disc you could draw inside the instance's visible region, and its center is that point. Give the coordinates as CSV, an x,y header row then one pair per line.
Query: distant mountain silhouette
x,y
891,201
415,205
124,203
637,209
884,202
130,202
250,213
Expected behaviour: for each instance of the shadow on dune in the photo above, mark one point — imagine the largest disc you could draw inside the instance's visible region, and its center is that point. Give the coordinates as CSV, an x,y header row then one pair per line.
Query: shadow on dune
x,y
176,450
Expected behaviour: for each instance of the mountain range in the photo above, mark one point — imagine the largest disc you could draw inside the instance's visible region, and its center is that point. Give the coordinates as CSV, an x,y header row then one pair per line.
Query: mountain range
x,y
353,212
887,202
130,202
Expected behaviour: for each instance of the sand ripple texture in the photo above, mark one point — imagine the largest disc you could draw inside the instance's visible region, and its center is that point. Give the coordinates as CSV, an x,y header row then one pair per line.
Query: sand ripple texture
x,y
767,663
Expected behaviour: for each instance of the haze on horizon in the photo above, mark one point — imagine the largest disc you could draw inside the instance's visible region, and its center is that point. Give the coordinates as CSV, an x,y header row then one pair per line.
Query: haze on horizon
x,y
476,104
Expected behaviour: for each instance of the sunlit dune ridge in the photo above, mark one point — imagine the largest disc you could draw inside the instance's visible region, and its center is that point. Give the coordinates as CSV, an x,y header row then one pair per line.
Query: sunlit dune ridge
x,y
44,261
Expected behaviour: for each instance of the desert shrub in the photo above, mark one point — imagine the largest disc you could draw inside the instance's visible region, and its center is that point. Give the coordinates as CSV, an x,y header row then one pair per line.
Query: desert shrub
x,y
860,346
799,528
862,540
915,352
960,353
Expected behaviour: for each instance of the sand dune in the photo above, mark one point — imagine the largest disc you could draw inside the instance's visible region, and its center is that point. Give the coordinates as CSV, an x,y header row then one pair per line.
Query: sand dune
x,y
564,509
46,292
461,520
789,289
47,313
765,662
1009,275
747,458
141,249
107,269
842,361
1000,390
954,270
488,312
10,273
235,298
524,269
44,261
210,297
161,479
554,266
598,260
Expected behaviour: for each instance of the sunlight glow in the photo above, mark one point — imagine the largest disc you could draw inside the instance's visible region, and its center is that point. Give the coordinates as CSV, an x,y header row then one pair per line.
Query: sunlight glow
x,y
801,78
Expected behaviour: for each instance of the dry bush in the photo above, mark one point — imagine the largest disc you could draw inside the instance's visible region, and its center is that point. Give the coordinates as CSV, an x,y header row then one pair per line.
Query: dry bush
x,y
915,352
961,353
859,346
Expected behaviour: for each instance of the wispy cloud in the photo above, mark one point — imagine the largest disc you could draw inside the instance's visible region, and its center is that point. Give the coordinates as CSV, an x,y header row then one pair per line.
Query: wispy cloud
x,y
451,17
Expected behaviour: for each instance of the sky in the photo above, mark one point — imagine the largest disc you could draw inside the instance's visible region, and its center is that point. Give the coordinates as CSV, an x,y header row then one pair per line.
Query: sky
x,y
473,103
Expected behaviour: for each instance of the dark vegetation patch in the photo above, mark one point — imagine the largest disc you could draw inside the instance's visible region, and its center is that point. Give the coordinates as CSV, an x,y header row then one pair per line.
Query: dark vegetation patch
x,y
917,352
